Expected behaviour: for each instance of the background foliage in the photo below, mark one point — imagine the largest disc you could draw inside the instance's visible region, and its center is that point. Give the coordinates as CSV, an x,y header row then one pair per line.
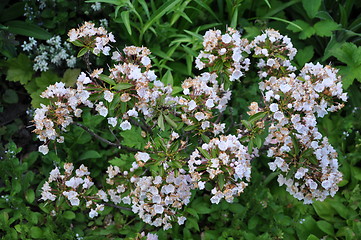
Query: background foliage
x,y
322,30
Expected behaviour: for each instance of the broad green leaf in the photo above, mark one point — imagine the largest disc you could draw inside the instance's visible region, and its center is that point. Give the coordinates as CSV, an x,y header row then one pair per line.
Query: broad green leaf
x,y
304,55
133,138
68,215
168,78
311,7
89,155
348,53
46,79
258,116
306,30
20,69
325,28
326,227
28,29
312,237
36,232
324,210
70,77
30,195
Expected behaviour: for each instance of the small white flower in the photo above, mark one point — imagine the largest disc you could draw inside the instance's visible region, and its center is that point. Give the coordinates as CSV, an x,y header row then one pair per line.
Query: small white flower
x,y
273,107
112,121
44,149
125,125
108,96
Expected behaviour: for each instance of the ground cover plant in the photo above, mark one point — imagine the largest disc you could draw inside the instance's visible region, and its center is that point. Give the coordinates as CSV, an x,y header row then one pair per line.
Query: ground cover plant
x,y
141,120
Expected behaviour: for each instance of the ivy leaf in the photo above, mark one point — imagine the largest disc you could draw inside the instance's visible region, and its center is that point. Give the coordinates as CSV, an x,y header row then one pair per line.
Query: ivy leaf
x,y
306,32
325,28
311,7
20,69
349,54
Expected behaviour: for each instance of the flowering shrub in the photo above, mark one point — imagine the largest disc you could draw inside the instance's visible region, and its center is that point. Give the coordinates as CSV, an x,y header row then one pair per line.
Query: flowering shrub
x,y
179,143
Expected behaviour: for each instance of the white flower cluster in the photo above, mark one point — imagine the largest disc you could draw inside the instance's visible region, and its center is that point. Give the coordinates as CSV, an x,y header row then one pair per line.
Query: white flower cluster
x,y
53,52
228,49
227,162
73,187
293,102
203,94
157,201
89,35
66,103
134,68
275,51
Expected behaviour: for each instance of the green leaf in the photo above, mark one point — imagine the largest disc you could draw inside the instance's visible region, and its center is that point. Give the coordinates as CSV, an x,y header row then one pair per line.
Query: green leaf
x,y
125,17
78,43
70,77
20,69
161,122
30,195
28,29
312,237
68,215
304,55
204,153
133,138
122,86
326,227
36,232
170,121
325,28
306,30
255,117
193,212
10,96
89,155
164,9
82,52
168,78
108,80
324,210
311,7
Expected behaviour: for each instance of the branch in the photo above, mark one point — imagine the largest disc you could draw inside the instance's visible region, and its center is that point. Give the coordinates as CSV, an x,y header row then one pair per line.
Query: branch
x,y
105,140
145,127
116,206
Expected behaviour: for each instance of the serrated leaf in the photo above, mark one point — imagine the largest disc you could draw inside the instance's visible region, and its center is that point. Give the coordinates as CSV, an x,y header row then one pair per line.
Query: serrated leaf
x,y
311,7
325,28
20,69
306,31
348,53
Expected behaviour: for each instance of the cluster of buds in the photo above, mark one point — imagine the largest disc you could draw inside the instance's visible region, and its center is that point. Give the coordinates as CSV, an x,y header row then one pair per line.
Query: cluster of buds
x,y
89,36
